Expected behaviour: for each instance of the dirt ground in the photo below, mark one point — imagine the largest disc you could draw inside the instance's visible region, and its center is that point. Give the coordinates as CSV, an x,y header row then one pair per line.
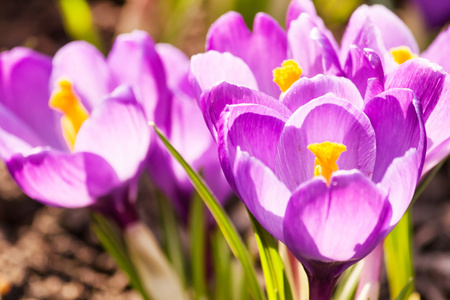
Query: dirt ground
x,y
50,253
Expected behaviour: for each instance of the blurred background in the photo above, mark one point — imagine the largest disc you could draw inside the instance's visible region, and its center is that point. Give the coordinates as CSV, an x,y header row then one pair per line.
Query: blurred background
x,y
49,253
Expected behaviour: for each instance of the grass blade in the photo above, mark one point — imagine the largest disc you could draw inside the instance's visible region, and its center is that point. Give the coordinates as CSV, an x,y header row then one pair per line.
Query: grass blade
x,y
109,236
277,285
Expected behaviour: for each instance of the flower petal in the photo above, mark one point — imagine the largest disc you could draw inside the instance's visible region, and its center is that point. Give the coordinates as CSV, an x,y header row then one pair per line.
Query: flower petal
x,y
341,222
63,179
263,50
15,135
86,69
327,118
438,51
212,67
296,8
312,47
214,101
134,61
24,93
117,130
254,128
263,194
396,117
306,89
424,78
438,135
365,70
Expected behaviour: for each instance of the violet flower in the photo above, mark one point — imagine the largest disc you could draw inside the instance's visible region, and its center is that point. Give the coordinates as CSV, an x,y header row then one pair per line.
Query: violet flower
x,y
157,75
366,57
380,52
80,159
324,173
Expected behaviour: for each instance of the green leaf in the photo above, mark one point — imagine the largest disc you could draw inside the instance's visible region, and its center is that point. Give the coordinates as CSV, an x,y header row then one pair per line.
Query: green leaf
x,y
398,257
233,239
173,248
277,285
404,294
77,21
109,236
197,234
222,267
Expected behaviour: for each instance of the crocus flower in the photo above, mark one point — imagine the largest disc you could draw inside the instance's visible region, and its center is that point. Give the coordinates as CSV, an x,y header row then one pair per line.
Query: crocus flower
x,y
156,74
76,158
325,173
374,44
379,43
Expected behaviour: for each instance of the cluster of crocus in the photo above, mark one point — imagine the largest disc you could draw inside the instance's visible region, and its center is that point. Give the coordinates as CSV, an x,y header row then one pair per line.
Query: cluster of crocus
x,y
324,143
293,154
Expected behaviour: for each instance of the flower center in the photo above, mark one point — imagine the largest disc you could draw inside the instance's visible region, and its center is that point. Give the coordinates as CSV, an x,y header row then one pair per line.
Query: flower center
x,y
64,100
327,153
287,74
402,54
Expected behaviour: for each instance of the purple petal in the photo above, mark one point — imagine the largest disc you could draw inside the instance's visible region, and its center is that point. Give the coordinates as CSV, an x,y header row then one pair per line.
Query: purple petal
x,y
15,135
306,89
296,8
313,48
438,51
176,65
396,117
263,194
212,67
325,119
63,179
117,130
365,69
24,93
263,50
393,30
437,125
214,101
254,128
230,34
134,61
86,69
363,32
424,78
337,223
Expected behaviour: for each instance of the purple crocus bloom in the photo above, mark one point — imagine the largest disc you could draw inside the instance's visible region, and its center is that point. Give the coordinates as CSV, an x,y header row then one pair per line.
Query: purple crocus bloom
x,y
99,170
380,53
324,172
365,56
157,75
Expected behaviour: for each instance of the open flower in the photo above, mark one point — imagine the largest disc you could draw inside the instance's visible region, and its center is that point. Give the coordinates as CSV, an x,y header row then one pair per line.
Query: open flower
x,y
323,172
380,53
76,158
80,75
377,53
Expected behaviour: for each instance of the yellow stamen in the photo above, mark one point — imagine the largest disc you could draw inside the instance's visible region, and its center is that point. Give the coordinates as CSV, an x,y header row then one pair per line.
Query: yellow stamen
x,y
327,154
65,100
402,54
287,74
